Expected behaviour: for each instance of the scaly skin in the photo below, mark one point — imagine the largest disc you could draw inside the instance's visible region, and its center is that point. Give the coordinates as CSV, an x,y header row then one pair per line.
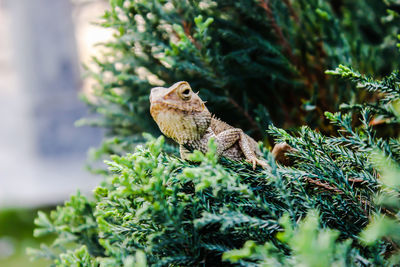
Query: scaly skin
x,y
181,115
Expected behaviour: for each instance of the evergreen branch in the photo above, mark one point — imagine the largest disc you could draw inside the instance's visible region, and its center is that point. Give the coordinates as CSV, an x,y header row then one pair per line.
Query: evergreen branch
x,y
156,209
265,4
323,185
187,29
292,12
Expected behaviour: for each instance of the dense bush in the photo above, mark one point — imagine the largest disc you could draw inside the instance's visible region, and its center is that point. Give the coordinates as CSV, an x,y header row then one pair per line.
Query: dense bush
x,y
255,62
338,204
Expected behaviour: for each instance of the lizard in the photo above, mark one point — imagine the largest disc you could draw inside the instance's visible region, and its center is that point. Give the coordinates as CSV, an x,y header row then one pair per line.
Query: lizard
x,y
182,115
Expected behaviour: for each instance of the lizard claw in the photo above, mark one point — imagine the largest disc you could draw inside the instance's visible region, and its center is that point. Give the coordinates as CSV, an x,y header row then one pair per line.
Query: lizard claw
x,y
255,161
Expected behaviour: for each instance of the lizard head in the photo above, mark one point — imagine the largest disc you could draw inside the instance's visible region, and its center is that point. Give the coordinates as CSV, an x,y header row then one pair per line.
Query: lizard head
x,y
179,112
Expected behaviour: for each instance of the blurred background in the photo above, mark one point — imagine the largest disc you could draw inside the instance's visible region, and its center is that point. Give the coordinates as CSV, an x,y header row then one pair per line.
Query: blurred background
x,y
43,46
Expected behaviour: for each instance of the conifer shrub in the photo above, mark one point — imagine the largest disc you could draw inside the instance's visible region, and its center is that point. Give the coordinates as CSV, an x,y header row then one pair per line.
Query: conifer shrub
x,y
337,205
255,62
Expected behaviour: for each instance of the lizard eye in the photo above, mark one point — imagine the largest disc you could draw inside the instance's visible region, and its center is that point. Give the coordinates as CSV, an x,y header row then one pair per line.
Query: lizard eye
x,y
184,93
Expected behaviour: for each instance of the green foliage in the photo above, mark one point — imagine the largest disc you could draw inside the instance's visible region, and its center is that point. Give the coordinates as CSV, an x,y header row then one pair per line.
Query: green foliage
x,y
337,202
255,62
336,205
381,226
311,246
16,227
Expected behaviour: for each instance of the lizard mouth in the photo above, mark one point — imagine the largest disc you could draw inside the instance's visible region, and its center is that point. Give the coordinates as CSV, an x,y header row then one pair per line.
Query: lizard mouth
x,y
162,105
159,107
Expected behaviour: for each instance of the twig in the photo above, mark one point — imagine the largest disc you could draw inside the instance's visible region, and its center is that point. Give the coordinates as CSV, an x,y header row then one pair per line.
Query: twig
x,y
340,192
310,78
282,40
291,10
323,185
187,29
287,50
355,180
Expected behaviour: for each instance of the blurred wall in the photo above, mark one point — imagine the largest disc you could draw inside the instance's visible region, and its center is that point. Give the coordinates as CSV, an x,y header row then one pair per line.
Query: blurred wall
x,y
42,153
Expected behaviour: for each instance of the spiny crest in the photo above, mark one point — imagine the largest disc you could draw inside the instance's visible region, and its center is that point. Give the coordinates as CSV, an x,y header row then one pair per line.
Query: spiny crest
x,y
218,126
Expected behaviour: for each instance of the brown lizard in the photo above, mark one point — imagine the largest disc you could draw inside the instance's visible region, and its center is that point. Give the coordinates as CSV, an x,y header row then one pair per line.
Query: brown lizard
x,y
182,115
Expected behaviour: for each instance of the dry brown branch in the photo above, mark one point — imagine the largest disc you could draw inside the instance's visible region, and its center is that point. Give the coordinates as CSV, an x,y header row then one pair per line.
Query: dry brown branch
x,y
187,28
331,188
291,10
281,38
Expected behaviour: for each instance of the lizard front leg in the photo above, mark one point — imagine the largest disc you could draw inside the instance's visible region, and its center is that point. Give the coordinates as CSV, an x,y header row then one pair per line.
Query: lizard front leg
x,y
228,138
184,152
